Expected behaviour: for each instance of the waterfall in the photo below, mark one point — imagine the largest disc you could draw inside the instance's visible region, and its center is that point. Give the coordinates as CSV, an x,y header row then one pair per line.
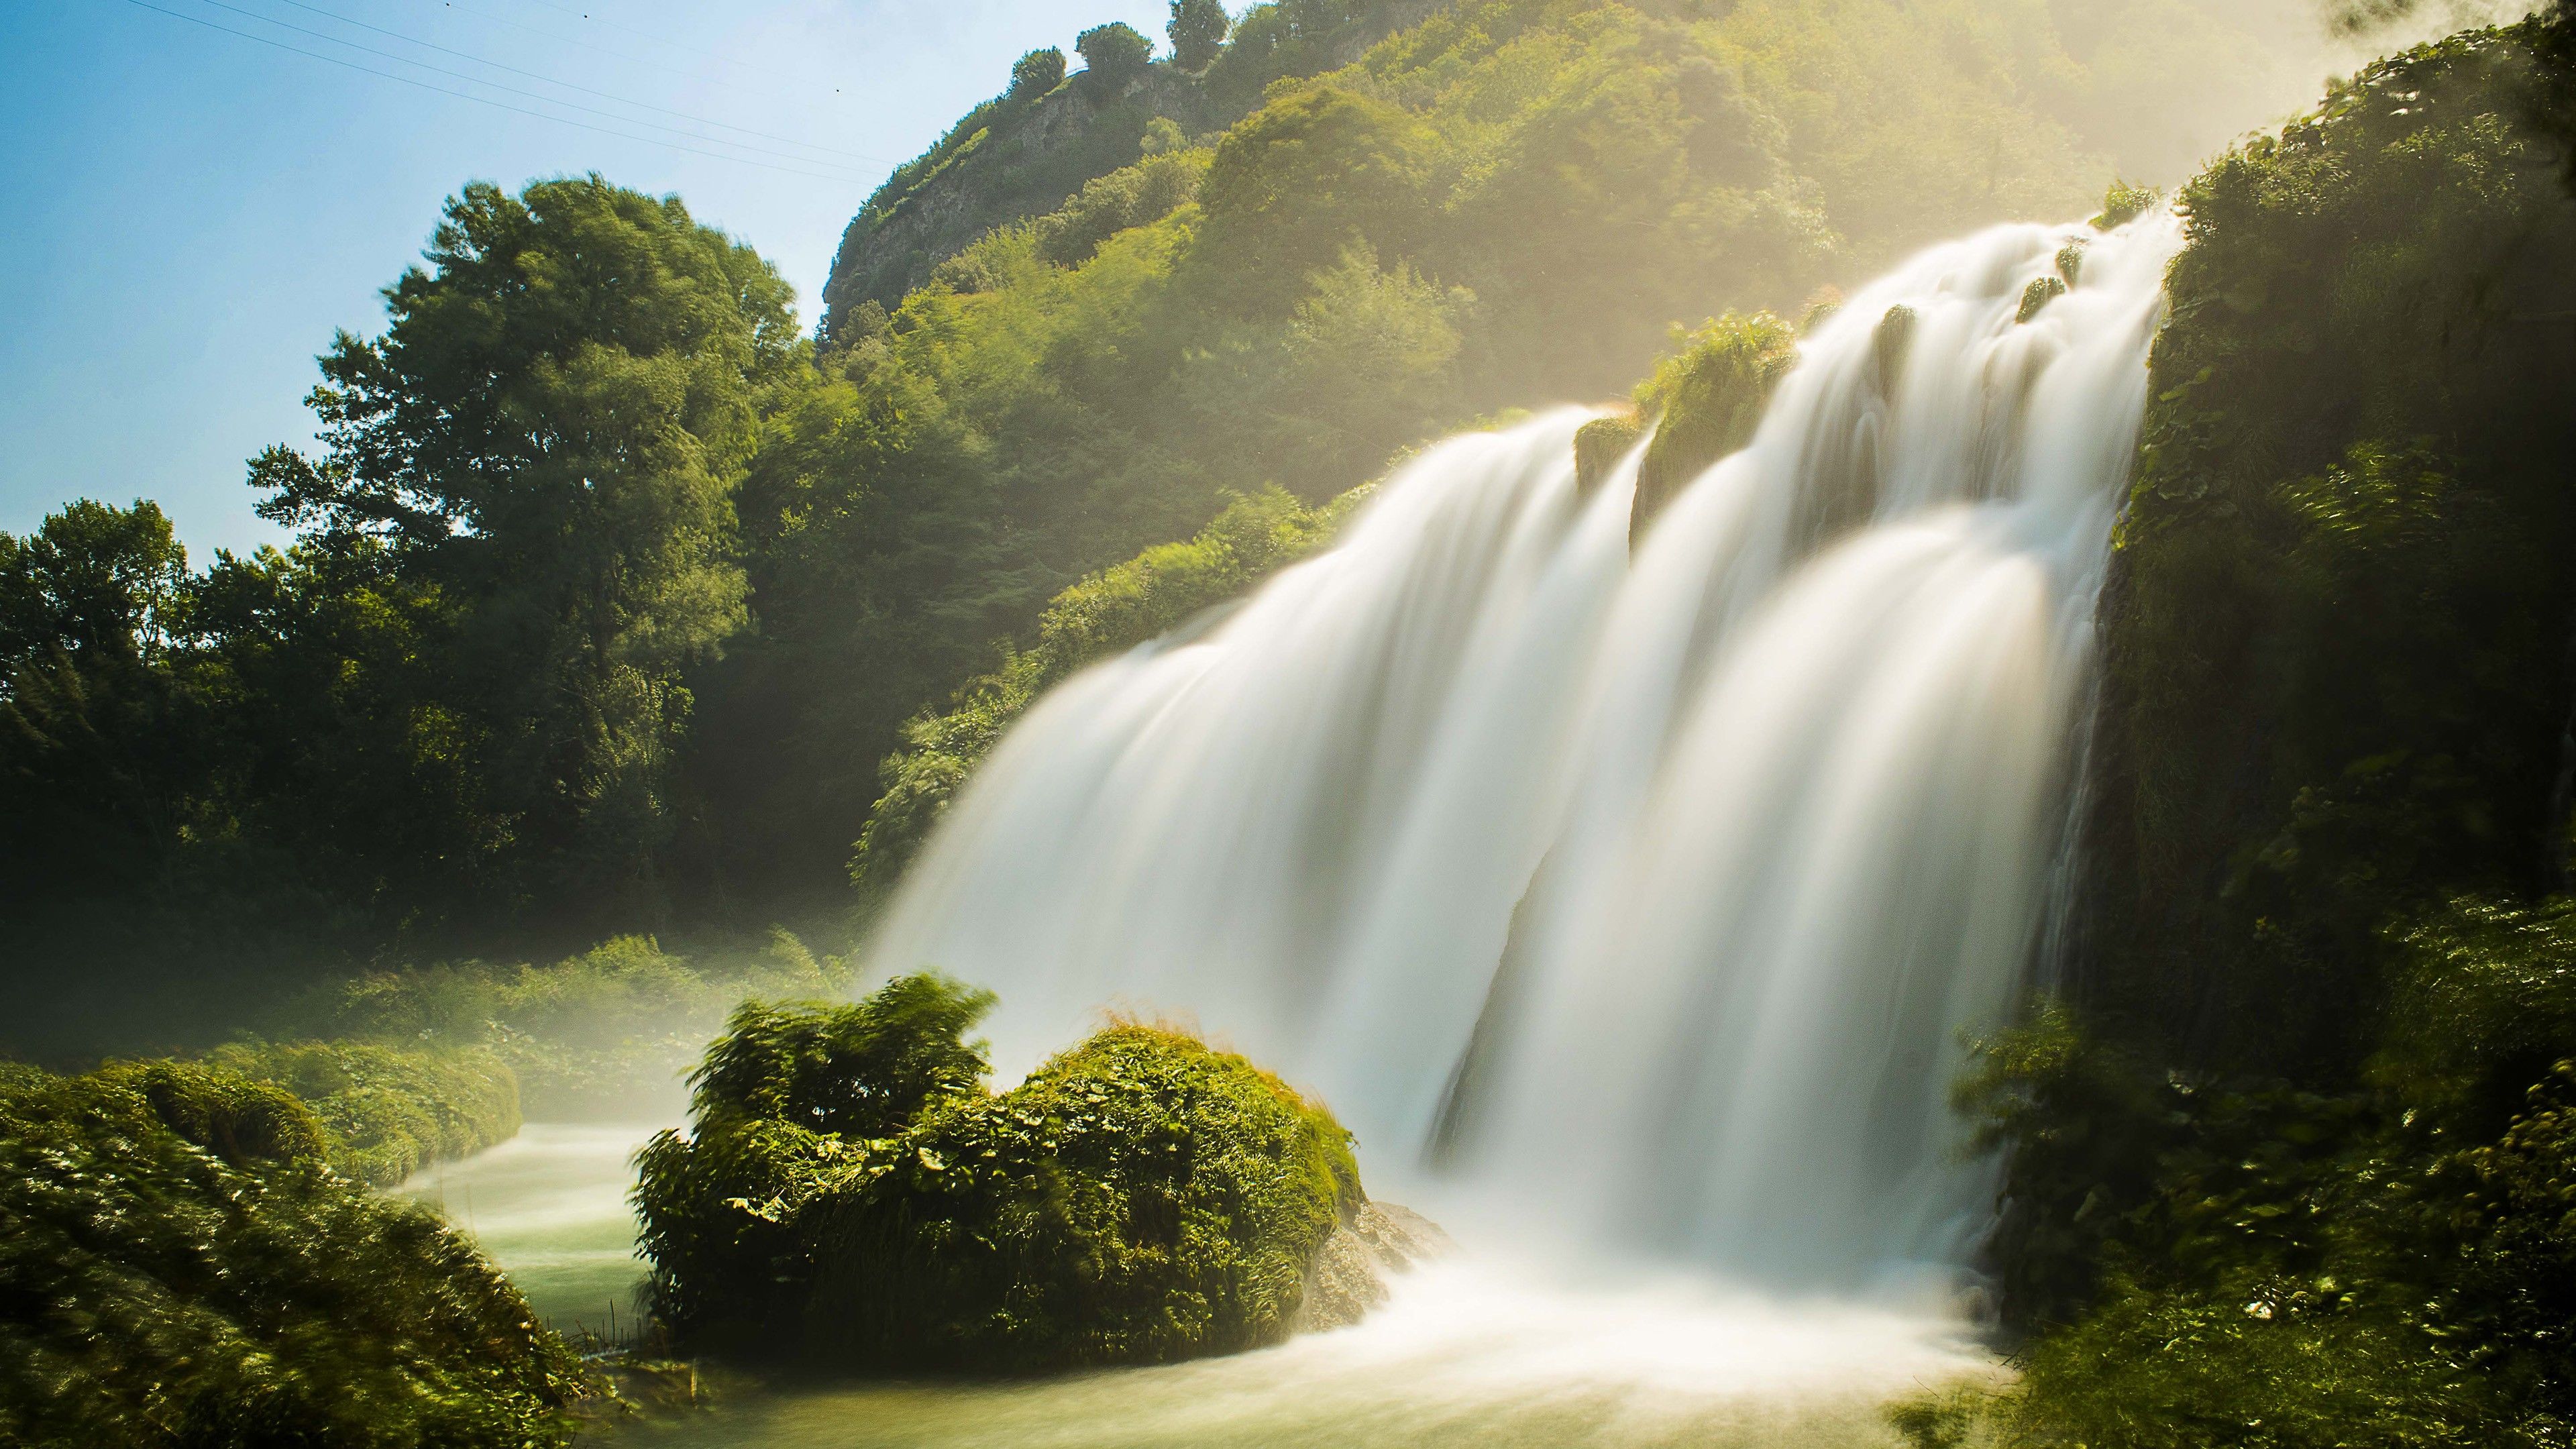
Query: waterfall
x,y
1640,900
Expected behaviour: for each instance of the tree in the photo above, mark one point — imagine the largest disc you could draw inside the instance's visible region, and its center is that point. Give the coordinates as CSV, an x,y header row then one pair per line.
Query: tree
x,y
1197,30
1113,55
547,440
93,580
91,762
1037,73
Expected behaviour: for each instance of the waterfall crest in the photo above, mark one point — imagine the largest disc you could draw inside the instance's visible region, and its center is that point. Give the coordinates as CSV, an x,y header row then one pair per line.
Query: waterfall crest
x,y
1644,900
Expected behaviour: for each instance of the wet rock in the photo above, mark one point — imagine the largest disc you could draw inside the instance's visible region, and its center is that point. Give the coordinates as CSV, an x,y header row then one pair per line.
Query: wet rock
x,y
1350,1273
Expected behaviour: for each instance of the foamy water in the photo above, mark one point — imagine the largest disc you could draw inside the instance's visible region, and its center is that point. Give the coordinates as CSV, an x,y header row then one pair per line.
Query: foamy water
x,y
1467,1352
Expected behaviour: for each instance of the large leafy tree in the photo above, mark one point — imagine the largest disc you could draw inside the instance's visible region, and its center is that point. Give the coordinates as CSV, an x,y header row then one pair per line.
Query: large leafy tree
x,y
538,458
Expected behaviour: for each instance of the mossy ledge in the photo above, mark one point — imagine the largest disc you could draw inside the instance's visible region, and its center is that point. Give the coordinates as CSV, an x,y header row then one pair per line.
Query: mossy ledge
x,y
851,1196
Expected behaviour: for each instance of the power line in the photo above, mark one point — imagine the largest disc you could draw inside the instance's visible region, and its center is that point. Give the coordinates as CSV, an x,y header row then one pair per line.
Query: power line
x,y
549,80
479,100
330,39
647,35
561,39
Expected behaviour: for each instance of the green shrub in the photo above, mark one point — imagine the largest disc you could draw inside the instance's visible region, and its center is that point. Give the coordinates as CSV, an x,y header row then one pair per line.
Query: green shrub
x,y
864,1070
389,1111
238,1119
1140,1198
768,1108
153,1294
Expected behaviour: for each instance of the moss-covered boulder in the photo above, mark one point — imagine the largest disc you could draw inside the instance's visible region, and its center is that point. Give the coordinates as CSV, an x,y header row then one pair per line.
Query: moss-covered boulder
x,y
1141,1198
1598,447
158,1291
1706,399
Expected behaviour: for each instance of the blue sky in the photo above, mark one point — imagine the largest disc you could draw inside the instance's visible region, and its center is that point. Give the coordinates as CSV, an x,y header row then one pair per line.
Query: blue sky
x,y
192,213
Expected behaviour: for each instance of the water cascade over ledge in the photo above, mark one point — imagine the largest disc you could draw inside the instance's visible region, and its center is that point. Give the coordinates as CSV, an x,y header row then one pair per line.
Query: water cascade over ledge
x,y
1639,902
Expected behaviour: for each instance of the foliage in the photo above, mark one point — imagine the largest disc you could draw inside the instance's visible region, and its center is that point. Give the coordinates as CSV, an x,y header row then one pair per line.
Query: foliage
x,y
2247,1263
1197,30
1706,398
850,1191
242,1120
1119,608
1113,56
155,1294
1141,1198
865,1070
388,1111
598,1034
2335,633
1035,74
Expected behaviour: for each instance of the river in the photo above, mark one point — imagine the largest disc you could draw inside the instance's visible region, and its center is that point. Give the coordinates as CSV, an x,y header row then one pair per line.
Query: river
x,y
1469,1351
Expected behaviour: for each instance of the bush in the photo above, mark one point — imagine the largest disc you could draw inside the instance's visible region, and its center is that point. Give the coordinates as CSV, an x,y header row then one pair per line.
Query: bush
x,y
1036,73
768,1108
1132,196
154,1294
1140,1198
1113,55
388,1111
238,1119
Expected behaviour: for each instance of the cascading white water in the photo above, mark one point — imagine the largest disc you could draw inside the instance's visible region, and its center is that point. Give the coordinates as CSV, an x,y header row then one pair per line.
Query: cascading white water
x,y
1647,897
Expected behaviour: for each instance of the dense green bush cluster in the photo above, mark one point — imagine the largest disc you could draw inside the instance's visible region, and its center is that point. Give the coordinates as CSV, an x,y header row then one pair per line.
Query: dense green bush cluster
x,y
2215,1259
850,1192
159,1291
388,1111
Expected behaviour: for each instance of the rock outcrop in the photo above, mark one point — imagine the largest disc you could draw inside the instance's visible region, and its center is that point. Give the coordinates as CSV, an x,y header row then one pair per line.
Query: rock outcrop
x,y
1349,1275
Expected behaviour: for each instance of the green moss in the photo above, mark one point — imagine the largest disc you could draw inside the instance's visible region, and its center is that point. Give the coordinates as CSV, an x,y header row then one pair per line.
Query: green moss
x,y
1598,447
2123,203
153,1294
1706,399
1140,1198
2040,292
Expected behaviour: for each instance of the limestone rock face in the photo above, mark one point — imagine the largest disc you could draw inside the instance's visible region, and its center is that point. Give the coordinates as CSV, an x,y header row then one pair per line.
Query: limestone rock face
x,y
1349,1275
